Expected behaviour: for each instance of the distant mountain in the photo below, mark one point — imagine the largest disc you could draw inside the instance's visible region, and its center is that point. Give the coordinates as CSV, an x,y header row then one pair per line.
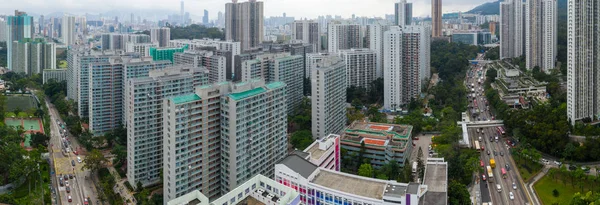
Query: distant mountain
x,y
493,8
490,8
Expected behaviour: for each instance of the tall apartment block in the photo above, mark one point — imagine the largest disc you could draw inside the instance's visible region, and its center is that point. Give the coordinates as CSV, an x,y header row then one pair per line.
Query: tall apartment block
x,y
3,30
328,97
216,65
144,99
307,32
32,56
343,36
403,12
360,67
229,49
375,34
106,85
279,67
512,33
142,48
78,81
583,75
312,60
253,131
540,34
160,35
68,30
436,18
19,26
244,23
165,53
58,75
406,64
114,41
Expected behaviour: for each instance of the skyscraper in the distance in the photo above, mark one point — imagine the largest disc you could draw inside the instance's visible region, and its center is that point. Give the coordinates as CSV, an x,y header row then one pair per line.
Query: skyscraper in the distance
x,y
19,26
403,13
220,20
161,35
436,18
205,17
511,29
540,34
583,46
244,23
308,32
68,30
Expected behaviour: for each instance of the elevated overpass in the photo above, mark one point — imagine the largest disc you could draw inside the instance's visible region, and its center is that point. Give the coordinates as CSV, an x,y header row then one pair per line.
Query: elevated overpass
x,y
480,61
467,123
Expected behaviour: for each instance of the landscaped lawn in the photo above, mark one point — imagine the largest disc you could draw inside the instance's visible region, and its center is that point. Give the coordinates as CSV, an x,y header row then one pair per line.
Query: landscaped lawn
x,y
22,193
528,169
544,188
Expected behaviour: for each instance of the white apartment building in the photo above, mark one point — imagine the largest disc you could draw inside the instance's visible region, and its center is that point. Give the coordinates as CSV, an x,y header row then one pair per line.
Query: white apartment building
x,y
253,131
406,64
328,97
144,117
259,189
161,35
375,33
540,34
68,30
512,35
142,48
56,74
307,32
343,36
32,56
215,64
360,67
202,44
403,13
583,75
317,185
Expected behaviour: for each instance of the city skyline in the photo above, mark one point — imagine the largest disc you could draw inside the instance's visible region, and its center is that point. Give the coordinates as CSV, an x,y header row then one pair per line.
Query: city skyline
x,y
295,8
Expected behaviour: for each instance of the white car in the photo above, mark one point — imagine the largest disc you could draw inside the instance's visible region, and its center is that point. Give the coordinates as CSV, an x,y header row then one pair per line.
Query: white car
x,y
514,186
511,195
79,159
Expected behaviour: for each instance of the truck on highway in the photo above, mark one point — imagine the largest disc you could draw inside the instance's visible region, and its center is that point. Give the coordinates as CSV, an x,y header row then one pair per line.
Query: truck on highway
x,y
414,167
493,163
490,173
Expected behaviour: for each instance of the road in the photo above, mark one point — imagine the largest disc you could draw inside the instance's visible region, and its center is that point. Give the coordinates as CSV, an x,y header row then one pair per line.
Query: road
x,y
80,185
497,149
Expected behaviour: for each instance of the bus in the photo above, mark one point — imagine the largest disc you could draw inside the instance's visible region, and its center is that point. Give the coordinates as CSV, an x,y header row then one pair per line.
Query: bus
x,y
503,173
490,174
500,130
477,146
414,167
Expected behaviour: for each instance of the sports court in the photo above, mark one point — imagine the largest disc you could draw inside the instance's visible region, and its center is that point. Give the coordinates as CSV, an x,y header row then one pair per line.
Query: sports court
x,y
30,125
23,102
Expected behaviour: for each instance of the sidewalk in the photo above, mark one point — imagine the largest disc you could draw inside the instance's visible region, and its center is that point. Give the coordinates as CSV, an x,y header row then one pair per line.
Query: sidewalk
x,y
529,185
120,187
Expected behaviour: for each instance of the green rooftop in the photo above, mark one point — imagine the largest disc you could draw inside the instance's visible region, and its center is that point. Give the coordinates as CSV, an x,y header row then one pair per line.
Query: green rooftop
x,y
275,85
185,98
248,93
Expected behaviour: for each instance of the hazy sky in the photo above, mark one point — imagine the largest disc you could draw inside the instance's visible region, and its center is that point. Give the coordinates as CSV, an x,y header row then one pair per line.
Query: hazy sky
x,y
295,8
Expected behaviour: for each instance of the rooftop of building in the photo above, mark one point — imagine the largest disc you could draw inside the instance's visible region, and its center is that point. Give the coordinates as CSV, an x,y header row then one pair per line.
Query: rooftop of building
x,y
436,179
275,85
247,93
378,134
314,151
351,184
185,98
299,165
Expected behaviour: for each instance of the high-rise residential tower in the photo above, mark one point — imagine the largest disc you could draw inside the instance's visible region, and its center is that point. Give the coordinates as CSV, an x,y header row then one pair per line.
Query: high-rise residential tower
x,y
161,35
583,47
403,13
343,36
512,31
253,131
375,33
19,26
308,32
68,30
406,64
244,23
540,34
32,56
328,97
436,18
360,67
144,98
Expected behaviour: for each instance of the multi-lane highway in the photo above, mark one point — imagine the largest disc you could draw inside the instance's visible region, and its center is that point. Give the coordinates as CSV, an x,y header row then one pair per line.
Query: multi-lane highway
x,y
67,163
494,146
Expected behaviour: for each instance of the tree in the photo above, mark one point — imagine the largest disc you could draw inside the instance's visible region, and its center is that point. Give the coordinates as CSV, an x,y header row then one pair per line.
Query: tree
x,y
39,139
458,193
120,153
555,193
366,170
361,153
301,139
94,161
585,199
